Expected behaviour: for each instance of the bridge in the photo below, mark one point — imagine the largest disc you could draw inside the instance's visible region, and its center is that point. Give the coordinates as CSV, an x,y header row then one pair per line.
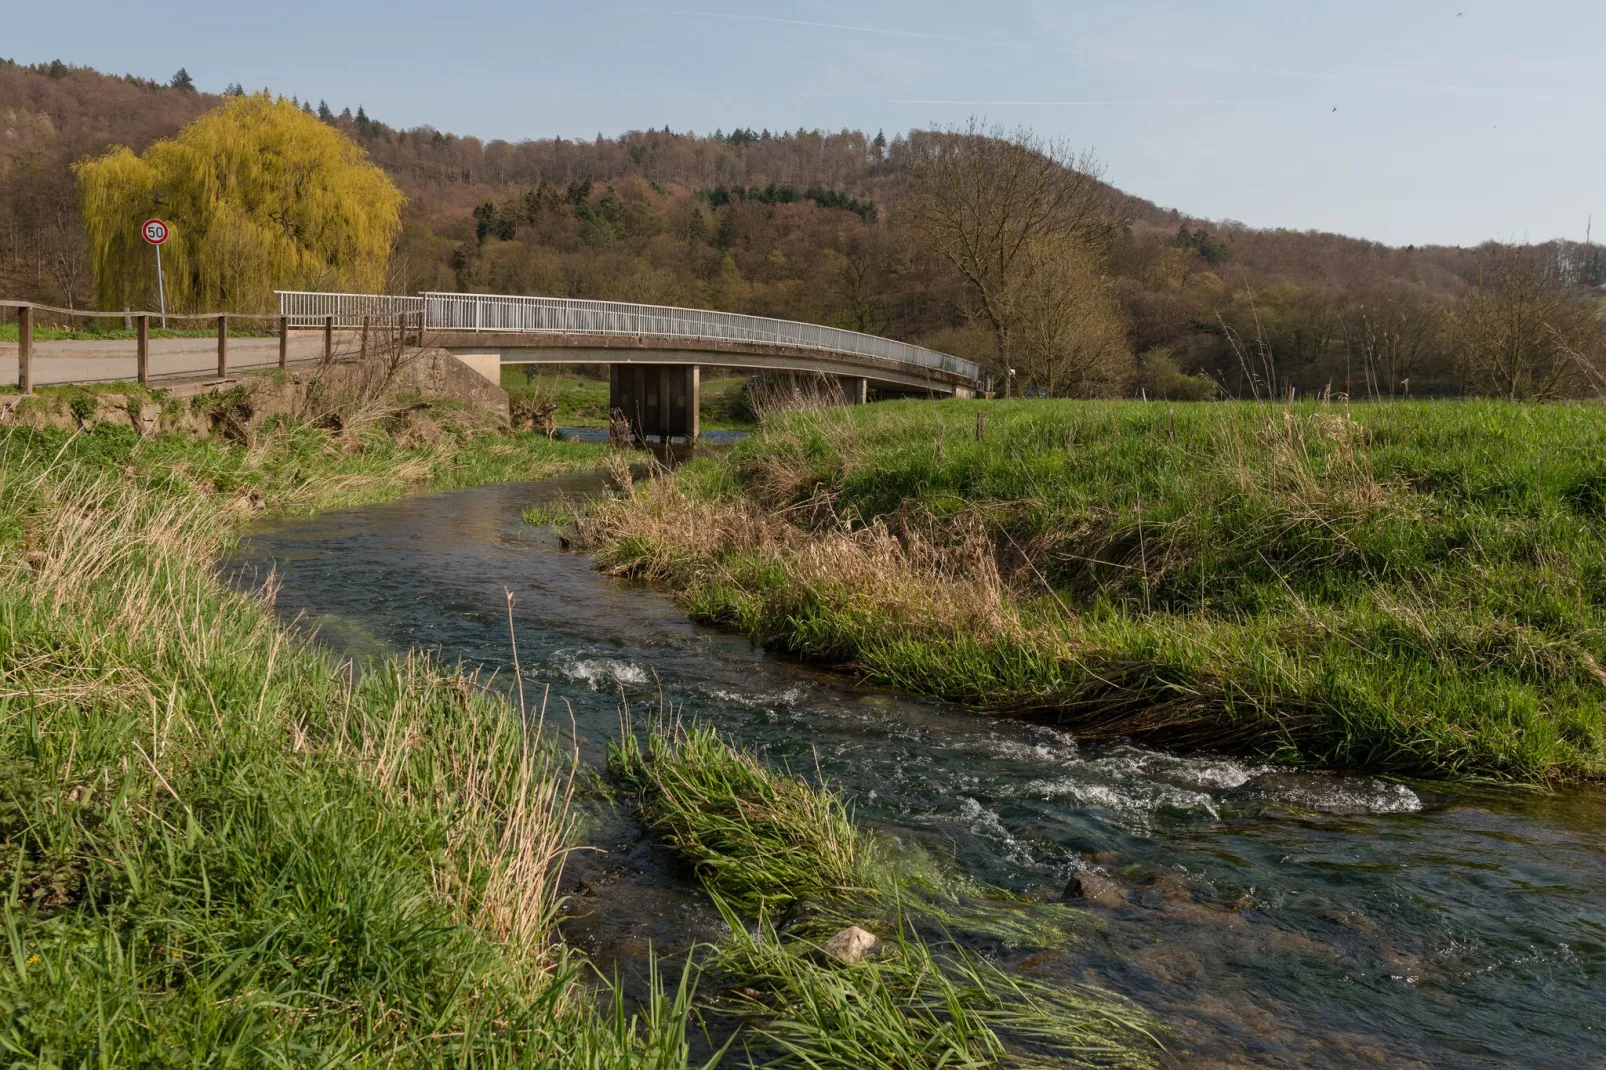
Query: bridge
x,y
654,352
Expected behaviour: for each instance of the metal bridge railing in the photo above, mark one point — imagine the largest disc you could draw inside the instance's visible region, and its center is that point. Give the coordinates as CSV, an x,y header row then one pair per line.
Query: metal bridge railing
x,y
348,310
555,315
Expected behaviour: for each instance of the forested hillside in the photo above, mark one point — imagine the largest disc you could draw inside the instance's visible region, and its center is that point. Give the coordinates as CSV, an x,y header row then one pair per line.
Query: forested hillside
x,y
807,225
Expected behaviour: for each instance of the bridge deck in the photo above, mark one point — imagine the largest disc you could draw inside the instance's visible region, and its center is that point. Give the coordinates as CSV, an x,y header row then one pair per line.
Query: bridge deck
x,y
522,348
563,330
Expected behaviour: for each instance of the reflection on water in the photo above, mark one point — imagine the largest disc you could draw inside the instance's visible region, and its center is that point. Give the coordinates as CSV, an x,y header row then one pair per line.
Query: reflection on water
x,y
1269,916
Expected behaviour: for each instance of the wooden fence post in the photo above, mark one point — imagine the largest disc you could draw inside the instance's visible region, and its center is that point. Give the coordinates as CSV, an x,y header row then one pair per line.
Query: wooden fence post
x,y
284,341
25,349
981,424
328,338
223,345
142,359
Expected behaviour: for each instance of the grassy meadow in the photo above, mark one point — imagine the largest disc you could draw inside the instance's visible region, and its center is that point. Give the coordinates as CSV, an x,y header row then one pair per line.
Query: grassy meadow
x,y
1415,587
584,402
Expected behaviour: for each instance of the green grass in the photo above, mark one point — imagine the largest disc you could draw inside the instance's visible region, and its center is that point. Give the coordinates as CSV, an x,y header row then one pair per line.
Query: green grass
x,y
127,387
762,840
220,846
295,468
584,402
769,846
1411,587
724,407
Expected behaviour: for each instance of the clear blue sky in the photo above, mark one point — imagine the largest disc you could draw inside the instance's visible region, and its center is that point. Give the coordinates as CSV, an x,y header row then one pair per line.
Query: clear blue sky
x,y
1456,121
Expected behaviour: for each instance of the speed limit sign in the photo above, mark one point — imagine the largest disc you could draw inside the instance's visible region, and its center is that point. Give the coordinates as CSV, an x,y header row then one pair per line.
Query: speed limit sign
x,y
155,232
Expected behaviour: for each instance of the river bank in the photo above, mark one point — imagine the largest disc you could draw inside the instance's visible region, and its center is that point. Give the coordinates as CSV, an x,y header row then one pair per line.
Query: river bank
x,y
1410,588
219,841
220,837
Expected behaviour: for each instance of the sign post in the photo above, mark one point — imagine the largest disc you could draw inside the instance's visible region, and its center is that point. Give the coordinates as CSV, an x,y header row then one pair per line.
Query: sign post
x,y
155,232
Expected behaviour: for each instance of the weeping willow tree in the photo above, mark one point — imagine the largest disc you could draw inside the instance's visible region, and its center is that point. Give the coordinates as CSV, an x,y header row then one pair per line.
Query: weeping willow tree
x,y
258,196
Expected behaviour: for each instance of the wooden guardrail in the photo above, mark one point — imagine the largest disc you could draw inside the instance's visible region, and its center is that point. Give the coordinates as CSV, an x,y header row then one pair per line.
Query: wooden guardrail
x,y
26,313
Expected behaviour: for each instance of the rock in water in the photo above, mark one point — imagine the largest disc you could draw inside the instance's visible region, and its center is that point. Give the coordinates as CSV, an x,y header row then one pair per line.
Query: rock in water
x,y
1093,888
850,945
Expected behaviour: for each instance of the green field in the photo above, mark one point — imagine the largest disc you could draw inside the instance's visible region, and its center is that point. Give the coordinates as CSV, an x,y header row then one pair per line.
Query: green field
x,y
584,402
1417,588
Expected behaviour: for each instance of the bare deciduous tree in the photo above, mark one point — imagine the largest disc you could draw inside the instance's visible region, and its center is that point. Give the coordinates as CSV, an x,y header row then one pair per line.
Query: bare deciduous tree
x,y
983,194
1069,337
854,265
1521,333
1388,336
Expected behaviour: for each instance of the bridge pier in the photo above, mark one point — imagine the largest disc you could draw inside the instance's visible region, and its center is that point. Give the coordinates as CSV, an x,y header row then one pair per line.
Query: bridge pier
x,y
855,389
657,399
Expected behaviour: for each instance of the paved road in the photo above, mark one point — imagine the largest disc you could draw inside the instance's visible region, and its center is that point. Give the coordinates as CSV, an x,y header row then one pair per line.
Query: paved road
x,y
171,358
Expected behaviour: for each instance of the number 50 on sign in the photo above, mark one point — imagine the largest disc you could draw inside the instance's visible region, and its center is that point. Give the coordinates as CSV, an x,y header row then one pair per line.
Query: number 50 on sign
x,y
155,232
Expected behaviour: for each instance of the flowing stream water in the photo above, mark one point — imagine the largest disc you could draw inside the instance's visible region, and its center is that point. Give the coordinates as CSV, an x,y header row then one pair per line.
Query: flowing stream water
x,y
1266,916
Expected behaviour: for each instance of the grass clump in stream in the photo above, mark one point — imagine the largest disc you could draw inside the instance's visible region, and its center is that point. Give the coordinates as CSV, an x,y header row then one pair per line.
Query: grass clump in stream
x,y
788,867
762,840
1409,587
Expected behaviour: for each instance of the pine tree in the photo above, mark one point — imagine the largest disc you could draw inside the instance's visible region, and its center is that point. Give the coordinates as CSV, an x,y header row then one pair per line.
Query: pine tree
x,y
880,144
234,89
484,220
58,69
324,113
182,81
259,195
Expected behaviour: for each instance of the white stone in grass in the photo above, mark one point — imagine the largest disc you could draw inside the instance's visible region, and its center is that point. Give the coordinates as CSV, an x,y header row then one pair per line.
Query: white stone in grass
x,y
850,945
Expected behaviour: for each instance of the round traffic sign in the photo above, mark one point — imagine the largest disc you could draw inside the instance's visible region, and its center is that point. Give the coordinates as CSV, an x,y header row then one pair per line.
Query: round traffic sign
x,y
155,231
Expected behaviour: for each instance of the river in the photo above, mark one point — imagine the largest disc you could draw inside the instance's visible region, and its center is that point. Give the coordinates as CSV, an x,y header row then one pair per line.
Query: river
x,y
1267,917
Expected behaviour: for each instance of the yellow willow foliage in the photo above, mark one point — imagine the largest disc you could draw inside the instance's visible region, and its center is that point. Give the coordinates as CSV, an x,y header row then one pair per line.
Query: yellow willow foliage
x,y
257,196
